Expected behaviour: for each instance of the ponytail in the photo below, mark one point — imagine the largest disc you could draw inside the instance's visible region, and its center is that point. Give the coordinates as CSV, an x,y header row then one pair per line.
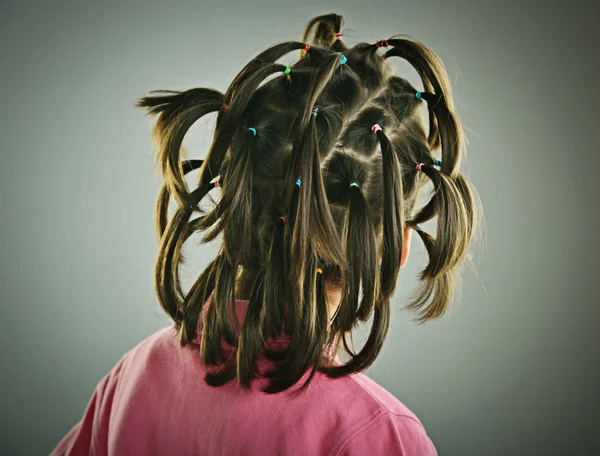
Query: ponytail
x,y
393,216
362,260
455,218
178,111
164,196
167,264
453,224
325,32
444,125
435,293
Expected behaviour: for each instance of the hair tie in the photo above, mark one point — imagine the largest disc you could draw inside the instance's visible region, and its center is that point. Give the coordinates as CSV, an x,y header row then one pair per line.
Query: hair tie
x,y
225,107
339,35
384,57
306,47
344,59
216,182
314,112
382,43
282,218
299,182
418,95
420,166
287,70
319,271
253,130
354,184
437,162
375,128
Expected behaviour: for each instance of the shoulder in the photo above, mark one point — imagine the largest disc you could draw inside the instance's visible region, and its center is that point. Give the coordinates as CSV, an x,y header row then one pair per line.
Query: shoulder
x,y
154,351
164,338
388,434
387,427
381,399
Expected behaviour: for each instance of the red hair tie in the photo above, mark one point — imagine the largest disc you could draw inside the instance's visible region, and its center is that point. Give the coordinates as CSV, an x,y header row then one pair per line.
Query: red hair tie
x,y
382,43
420,166
282,218
225,107
306,47
339,35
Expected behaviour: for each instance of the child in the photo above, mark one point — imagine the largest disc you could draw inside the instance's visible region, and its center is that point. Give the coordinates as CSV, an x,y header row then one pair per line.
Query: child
x,y
318,172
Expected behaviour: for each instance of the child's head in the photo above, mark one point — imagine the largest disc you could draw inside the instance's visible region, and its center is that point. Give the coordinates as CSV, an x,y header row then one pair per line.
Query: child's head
x,y
319,167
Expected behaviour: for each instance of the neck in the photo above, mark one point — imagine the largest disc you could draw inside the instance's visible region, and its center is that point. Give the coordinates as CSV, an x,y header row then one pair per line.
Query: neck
x,y
245,282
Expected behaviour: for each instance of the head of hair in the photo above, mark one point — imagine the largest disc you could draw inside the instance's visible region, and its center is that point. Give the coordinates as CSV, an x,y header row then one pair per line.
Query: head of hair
x,y
320,167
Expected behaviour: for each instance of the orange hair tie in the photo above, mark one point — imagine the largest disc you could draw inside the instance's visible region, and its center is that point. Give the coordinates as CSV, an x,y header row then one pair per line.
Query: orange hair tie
x,y
319,271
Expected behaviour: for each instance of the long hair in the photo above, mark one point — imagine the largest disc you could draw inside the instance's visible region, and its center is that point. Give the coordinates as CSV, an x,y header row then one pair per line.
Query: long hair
x,y
319,166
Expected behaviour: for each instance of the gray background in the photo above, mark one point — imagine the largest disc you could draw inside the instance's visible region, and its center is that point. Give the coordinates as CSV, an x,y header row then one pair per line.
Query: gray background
x,y
512,370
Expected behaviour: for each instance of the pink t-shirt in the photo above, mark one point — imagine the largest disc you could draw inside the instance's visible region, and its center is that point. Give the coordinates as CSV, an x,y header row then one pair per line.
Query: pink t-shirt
x,y
155,402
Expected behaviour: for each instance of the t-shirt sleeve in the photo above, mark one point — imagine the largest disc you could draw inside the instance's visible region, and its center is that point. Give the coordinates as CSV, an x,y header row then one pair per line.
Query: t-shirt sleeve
x,y
390,435
90,435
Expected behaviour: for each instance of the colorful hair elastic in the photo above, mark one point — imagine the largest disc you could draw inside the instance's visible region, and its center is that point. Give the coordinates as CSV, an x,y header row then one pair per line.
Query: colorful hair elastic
x,y
418,95
217,182
354,184
315,112
344,60
382,43
420,166
339,35
306,47
299,182
319,271
287,70
437,162
253,130
282,218
225,107
375,128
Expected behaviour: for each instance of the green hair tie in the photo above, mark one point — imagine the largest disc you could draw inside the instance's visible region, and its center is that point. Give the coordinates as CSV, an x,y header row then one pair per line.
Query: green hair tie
x,y
287,70
354,184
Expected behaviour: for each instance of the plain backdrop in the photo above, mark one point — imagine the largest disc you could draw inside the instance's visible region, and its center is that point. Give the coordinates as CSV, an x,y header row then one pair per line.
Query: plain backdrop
x,y
511,370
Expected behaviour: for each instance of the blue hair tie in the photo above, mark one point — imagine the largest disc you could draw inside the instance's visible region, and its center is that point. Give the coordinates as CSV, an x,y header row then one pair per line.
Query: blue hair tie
x,y
344,59
298,182
437,162
253,130
418,95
